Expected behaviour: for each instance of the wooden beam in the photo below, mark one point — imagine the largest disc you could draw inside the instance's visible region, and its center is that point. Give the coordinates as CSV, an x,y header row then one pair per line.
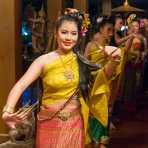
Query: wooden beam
x,y
10,49
106,7
81,5
54,8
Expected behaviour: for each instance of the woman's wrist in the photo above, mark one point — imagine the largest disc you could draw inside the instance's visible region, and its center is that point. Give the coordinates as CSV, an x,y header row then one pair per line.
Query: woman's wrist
x,y
8,109
130,36
109,69
115,61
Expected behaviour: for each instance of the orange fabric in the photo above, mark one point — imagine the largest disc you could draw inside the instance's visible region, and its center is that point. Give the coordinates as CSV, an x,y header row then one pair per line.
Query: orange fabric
x,y
56,133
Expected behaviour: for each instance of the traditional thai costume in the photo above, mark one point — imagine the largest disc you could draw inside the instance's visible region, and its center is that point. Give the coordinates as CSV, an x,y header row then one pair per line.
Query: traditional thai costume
x,y
57,87
98,121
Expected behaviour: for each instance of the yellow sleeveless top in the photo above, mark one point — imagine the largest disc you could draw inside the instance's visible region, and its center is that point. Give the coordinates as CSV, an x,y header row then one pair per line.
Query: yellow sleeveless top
x,y
55,85
96,55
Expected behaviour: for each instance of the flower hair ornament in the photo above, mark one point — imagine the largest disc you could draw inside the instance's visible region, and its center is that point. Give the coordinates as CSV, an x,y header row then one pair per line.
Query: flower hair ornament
x,y
99,19
82,16
131,18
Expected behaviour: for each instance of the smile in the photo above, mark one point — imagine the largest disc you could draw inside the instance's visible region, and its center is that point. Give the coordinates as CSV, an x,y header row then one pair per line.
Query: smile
x,y
67,43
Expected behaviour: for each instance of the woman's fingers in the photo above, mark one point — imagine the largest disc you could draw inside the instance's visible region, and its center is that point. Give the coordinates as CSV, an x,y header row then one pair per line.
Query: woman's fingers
x,y
19,115
117,53
11,119
24,113
112,51
11,124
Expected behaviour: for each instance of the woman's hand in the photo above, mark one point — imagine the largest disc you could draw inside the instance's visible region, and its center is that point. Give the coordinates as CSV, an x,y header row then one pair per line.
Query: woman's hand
x,y
113,52
114,56
11,119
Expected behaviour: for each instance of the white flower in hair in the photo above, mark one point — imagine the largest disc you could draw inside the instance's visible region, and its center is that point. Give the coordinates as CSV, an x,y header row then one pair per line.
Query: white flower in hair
x,y
99,19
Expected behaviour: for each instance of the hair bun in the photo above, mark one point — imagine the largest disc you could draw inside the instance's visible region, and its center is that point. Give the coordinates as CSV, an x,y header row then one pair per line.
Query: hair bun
x,y
81,16
131,18
74,13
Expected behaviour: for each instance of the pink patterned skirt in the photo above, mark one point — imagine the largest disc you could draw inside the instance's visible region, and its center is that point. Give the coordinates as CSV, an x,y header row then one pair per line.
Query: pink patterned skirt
x,y
56,133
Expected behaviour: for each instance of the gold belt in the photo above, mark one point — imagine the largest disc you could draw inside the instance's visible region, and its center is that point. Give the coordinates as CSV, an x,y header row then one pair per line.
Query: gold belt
x,y
45,114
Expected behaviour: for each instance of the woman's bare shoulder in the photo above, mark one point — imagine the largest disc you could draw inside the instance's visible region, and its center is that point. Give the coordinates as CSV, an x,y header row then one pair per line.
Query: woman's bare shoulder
x,y
47,58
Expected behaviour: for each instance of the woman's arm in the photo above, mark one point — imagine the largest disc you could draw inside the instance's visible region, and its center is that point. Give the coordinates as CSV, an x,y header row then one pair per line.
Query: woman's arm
x,y
31,75
110,67
120,40
128,44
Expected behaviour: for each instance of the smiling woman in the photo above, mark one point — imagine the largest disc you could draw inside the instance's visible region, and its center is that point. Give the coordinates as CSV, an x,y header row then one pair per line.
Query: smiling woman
x,y
60,122
67,36
63,115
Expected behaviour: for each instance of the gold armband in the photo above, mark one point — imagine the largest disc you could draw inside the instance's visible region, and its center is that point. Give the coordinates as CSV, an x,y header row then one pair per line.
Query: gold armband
x,y
8,109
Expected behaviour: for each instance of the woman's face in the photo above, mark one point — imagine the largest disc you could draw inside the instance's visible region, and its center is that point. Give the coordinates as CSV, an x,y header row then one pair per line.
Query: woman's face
x,y
67,36
118,23
107,31
135,27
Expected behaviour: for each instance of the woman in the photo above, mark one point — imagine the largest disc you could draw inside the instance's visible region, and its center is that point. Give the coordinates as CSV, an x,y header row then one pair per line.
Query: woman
x,y
97,51
124,43
62,119
134,65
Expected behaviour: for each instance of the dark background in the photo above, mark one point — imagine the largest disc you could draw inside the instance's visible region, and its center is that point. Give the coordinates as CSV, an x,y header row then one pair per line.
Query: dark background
x,y
143,4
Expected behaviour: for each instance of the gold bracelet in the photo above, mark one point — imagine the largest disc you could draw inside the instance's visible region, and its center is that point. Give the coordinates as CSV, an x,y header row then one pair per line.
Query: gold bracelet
x,y
8,109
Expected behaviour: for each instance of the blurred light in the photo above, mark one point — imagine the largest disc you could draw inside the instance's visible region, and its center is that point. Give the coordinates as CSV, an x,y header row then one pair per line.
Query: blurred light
x,y
25,30
124,28
25,33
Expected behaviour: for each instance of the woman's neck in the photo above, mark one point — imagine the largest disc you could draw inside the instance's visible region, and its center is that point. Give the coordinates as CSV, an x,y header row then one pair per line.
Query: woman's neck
x,y
101,40
63,52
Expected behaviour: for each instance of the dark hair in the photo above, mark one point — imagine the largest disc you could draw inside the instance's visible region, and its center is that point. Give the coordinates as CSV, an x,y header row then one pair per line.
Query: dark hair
x,y
84,74
59,22
70,18
105,20
116,17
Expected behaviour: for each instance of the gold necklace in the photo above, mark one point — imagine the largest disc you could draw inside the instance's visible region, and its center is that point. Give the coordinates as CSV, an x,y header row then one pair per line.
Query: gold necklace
x,y
68,73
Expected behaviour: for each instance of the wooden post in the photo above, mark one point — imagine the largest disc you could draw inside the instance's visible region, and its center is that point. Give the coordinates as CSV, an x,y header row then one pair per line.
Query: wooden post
x,y
10,49
53,9
81,5
106,7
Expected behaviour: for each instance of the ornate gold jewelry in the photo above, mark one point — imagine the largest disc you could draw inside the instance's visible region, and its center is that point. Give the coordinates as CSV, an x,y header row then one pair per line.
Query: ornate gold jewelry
x,y
8,109
68,73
